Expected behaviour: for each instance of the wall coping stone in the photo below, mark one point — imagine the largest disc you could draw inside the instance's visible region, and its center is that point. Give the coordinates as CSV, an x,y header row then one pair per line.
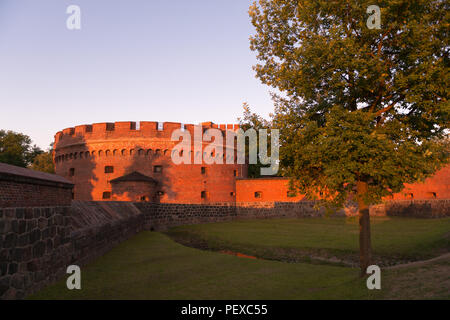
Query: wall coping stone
x,y
24,175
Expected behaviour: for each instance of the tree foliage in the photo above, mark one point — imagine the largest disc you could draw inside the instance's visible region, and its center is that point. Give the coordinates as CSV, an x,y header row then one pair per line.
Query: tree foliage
x,y
16,149
356,104
44,162
251,120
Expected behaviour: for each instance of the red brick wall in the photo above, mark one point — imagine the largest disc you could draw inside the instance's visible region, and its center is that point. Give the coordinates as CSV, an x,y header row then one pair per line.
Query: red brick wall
x,y
272,189
276,189
436,187
20,187
32,195
89,148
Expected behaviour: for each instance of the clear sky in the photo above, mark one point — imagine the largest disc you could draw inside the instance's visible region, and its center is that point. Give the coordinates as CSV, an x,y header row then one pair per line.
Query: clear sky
x,y
183,61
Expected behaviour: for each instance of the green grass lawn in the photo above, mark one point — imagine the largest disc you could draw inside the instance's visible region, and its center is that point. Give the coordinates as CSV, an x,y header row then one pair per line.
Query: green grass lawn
x,y
393,239
153,266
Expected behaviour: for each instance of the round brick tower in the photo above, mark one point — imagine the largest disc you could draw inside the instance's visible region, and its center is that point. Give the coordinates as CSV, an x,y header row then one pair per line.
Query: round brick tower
x,y
117,161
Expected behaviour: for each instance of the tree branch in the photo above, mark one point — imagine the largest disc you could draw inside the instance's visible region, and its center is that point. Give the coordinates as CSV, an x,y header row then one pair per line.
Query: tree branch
x,y
389,107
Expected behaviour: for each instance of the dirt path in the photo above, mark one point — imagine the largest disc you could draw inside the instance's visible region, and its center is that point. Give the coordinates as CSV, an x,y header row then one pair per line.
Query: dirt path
x,y
427,279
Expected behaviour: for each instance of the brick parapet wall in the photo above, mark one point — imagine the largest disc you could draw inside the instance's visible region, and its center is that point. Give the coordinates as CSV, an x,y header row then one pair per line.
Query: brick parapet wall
x,y
20,187
14,194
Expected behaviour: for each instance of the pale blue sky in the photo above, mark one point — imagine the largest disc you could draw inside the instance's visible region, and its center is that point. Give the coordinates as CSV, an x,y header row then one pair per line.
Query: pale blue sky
x,y
152,60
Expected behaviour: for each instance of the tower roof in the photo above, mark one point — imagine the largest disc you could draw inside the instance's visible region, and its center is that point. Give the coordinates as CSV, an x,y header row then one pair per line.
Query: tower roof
x,y
134,176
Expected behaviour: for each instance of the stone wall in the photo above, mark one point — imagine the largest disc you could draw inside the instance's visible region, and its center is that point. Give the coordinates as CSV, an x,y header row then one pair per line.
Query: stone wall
x,y
413,208
163,215
34,228
42,231
97,227
303,209
38,244
34,248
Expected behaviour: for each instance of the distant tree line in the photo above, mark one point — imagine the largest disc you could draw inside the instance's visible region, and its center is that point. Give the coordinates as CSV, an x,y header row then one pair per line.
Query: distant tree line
x,y
17,149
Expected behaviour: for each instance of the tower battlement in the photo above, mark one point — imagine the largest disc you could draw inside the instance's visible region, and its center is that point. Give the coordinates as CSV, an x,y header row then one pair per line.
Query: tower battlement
x,y
129,129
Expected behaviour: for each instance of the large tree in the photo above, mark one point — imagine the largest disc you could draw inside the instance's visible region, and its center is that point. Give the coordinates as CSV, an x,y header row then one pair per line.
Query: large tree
x,y
361,111
16,149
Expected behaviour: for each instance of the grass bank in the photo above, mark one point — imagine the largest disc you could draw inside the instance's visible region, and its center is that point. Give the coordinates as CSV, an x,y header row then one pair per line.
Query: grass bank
x,y
322,240
152,266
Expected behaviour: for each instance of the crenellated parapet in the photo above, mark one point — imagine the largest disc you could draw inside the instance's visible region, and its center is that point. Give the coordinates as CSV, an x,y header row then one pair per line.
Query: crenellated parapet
x,y
129,130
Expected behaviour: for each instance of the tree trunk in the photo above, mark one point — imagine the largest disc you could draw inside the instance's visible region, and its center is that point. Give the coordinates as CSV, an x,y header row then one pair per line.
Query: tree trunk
x,y
365,248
